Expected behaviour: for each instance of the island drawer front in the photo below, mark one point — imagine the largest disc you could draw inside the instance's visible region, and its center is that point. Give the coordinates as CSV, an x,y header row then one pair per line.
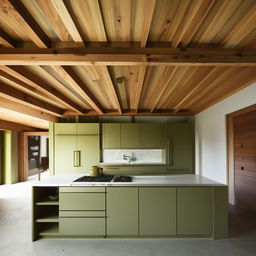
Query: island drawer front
x,y
82,226
82,189
82,201
87,214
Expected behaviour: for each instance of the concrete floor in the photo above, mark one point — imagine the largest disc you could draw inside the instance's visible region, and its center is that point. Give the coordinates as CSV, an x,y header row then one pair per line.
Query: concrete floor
x,y
15,235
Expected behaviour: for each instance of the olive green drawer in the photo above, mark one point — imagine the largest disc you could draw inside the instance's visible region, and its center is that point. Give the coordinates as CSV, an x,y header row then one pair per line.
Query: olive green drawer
x,y
82,226
82,201
82,189
82,214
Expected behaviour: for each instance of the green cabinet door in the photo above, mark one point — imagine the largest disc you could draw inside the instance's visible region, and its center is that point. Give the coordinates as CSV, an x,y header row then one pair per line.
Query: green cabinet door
x,y
65,128
88,128
152,136
89,152
157,211
111,136
180,146
194,210
130,136
122,211
64,149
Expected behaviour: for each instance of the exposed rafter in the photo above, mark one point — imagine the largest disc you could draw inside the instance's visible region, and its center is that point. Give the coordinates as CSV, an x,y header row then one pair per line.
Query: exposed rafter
x,y
28,100
5,39
139,86
78,85
26,22
21,108
67,20
42,85
103,72
7,125
131,56
150,5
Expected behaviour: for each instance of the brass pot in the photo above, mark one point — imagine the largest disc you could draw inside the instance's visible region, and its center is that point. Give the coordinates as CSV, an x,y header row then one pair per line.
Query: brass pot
x,y
96,171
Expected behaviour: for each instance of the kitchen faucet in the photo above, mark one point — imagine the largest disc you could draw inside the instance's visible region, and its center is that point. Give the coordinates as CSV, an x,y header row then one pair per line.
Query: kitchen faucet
x,y
129,158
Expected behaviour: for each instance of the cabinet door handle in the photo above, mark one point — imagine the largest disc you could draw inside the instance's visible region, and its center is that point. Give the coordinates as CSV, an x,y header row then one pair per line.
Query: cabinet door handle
x,y
169,151
74,158
78,158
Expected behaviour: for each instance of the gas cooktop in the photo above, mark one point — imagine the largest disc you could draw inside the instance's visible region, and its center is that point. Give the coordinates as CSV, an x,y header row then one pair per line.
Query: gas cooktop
x,y
104,178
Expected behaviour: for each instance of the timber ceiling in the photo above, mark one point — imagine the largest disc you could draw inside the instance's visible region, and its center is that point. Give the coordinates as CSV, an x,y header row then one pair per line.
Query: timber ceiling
x,y
122,57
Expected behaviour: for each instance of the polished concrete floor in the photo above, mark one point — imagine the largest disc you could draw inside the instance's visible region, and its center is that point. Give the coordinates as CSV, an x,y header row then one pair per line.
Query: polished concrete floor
x,y
15,235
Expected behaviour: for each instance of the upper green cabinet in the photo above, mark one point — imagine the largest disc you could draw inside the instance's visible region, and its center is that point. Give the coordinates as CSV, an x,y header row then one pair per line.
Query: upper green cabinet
x,y
133,136
65,128
152,136
130,136
76,128
111,136
179,153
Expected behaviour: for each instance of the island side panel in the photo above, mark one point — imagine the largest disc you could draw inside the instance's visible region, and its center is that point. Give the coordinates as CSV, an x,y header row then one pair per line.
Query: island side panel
x,y
220,212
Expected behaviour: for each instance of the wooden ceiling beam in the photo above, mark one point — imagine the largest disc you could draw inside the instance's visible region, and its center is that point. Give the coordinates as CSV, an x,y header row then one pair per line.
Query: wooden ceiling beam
x,y
6,40
78,85
47,89
143,112
150,6
26,21
23,109
139,87
11,93
7,125
104,73
66,18
129,56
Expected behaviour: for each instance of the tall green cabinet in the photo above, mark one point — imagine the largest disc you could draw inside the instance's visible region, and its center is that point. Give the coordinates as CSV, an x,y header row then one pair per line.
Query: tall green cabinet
x,y
76,147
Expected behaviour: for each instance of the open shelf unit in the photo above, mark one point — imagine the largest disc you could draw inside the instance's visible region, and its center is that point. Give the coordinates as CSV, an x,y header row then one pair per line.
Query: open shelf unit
x,y
45,219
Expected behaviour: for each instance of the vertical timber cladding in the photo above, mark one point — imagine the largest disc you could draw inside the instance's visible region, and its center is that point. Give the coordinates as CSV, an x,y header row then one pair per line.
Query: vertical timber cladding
x,y
245,160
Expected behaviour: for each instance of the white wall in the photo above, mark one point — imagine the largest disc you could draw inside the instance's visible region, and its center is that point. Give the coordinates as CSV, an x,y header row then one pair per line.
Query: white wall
x,y
210,132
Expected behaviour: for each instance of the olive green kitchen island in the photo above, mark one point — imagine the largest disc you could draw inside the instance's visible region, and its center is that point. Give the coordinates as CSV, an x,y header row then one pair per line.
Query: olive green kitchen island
x,y
149,206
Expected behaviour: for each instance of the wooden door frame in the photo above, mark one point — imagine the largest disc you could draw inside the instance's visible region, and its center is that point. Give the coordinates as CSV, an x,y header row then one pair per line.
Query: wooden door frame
x,y
23,152
230,149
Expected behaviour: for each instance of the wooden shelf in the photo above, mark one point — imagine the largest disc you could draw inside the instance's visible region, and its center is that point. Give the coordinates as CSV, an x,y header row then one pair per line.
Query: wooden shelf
x,y
48,203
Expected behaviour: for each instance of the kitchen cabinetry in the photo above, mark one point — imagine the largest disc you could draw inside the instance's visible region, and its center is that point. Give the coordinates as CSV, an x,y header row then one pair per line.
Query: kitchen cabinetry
x,y
157,211
133,136
194,210
152,136
139,211
130,136
122,211
111,136
180,147
76,147
82,211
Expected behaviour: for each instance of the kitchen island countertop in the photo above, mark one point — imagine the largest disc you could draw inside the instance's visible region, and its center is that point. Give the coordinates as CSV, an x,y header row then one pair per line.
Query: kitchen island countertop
x,y
154,180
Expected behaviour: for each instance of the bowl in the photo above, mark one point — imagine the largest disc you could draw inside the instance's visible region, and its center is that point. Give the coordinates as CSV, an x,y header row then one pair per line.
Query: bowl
x,y
53,197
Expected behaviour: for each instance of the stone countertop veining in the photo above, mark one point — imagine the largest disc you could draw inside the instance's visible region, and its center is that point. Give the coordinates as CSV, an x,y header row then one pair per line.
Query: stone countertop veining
x,y
154,180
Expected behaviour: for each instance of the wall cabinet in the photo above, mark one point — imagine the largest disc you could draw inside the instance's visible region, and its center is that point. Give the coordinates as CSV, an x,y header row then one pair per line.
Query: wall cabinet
x,y
194,210
130,136
180,146
133,136
122,211
111,136
157,211
152,136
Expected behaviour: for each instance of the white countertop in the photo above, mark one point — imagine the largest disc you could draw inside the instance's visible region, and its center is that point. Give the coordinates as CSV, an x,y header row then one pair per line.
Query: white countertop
x,y
163,180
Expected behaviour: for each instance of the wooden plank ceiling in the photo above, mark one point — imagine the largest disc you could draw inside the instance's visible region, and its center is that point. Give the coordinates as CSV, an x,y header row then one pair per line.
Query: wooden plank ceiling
x,y
116,57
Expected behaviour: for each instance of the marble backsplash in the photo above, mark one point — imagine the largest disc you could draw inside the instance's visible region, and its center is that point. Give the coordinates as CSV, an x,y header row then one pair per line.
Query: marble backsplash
x,y
140,156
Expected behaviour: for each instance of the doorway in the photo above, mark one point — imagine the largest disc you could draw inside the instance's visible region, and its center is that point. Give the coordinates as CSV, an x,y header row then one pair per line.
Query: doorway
x,y
33,155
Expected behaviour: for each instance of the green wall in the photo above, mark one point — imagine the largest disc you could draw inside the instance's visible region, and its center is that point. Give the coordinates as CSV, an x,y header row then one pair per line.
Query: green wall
x,y
9,153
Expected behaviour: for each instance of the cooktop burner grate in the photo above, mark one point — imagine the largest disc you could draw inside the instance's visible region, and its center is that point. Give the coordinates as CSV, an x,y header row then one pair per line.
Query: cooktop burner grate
x,y
103,178
122,179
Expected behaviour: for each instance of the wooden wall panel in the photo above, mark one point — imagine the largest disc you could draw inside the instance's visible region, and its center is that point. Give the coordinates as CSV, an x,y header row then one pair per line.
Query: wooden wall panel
x,y
245,160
